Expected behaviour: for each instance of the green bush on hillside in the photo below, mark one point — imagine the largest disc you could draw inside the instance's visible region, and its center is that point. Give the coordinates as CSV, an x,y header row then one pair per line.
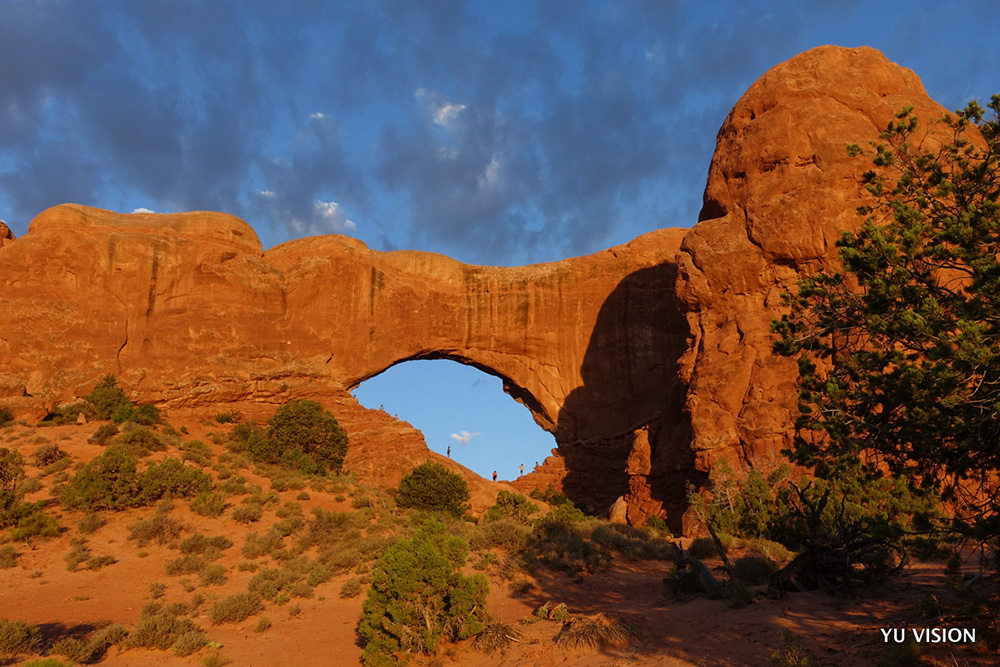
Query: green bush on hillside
x,y
431,486
419,597
301,434
511,506
112,481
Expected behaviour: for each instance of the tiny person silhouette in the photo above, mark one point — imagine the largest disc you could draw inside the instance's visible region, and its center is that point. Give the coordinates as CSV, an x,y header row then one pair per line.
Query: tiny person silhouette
x,y
494,475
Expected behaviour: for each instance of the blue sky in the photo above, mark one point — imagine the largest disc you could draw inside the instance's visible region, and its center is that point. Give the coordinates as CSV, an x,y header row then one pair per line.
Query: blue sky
x,y
496,133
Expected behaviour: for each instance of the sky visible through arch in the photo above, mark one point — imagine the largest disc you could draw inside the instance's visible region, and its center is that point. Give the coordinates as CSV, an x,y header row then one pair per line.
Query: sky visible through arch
x,y
495,133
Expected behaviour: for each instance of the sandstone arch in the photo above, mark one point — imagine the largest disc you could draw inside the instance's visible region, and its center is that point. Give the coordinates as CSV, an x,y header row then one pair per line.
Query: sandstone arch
x,y
649,361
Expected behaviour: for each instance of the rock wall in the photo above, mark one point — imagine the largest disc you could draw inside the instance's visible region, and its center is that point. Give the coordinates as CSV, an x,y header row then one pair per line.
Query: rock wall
x,y
187,309
781,189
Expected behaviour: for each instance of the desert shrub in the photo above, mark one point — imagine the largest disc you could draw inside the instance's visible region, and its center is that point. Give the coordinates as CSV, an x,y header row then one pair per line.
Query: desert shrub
x,y
704,547
419,597
555,543
234,486
495,637
633,543
767,503
197,452
103,434
328,527
140,442
248,513
18,637
92,648
597,631
90,522
235,608
256,545
791,653
79,556
30,485
46,662
47,455
159,629
263,624
657,523
302,435
505,533
510,506
8,557
209,504
212,575
215,660
159,528
186,564
550,495
431,486
189,642
771,550
36,524
110,481
11,476
105,398
288,510
6,417
753,570
171,477
229,417
147,415
351,588
270,583
199,544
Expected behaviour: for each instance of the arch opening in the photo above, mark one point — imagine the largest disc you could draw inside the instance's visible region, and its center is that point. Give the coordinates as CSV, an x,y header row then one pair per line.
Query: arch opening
x,y
464,407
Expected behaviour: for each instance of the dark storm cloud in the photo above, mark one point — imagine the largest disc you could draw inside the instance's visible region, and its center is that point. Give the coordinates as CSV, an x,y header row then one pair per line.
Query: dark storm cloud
x,y
501,135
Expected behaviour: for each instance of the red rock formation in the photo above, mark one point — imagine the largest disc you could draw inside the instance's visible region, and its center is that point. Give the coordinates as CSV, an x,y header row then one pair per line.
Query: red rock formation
x,y
781,188
188,310
6,236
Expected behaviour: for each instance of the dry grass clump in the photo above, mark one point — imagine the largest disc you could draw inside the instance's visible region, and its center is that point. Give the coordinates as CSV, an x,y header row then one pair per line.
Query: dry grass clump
x,y
18,637
496,637
209,504
210,547
159,528
597,631
235,608
159,628
80,555
186,564
90,523
8,557
92,648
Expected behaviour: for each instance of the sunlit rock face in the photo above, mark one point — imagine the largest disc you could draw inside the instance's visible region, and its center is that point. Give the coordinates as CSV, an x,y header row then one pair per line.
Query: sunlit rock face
x,y
648,361
781,190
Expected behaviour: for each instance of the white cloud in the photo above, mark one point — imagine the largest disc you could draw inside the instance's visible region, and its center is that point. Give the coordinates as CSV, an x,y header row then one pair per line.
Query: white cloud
x,y
490,174
332,214
267,193
442,111
319,115
142,210
464,438
446,113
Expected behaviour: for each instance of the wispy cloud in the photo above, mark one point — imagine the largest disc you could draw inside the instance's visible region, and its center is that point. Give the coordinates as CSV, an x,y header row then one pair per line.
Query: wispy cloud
x,y
463,437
